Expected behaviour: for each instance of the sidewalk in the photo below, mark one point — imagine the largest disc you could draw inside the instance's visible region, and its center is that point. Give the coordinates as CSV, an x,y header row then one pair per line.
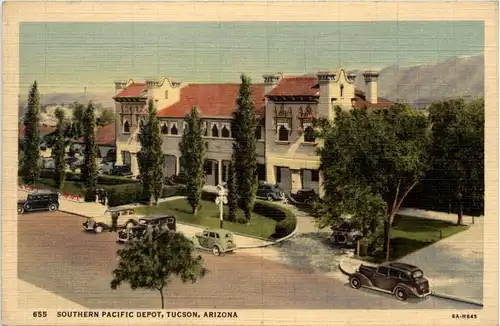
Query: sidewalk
x,y
453,266
32,297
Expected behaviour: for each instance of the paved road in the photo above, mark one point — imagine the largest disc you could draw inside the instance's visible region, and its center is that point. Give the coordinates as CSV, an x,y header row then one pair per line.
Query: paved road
x,y
57,255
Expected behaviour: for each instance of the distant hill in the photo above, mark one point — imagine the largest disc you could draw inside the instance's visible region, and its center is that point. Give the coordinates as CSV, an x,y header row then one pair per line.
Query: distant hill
x,y
66,98
422,84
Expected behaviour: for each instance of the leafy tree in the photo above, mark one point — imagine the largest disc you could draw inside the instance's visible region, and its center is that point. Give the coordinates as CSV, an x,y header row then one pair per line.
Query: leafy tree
x,y
89,168
458,151
244,147
370,161
193,148
150,158
107,116
232,197
75,129
31,164
59,150
150,261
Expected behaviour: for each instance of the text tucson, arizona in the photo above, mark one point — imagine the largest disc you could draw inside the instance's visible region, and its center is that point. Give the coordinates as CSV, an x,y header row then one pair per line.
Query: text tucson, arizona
x,y
147,314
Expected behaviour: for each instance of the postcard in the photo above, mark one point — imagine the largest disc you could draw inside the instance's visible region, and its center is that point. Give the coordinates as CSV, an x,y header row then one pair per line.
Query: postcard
x,y
250,163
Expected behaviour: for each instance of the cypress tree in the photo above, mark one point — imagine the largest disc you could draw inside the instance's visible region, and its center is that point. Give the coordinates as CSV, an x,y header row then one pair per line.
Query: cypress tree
x,y
232,198
244,147
89,169
31,164
192,148
59,150
150,157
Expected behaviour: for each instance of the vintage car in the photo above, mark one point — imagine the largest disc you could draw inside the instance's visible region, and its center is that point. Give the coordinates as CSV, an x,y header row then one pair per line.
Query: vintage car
x,y
304,197
165,222
345,234
217,240
38,201
126,219
399,279
270,192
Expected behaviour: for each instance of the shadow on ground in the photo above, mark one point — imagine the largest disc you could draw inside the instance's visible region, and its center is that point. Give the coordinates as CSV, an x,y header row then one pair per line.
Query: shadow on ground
x,y
311,252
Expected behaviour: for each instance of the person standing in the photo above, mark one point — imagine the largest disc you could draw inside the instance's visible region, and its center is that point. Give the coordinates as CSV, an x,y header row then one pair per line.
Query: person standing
x,y
114,222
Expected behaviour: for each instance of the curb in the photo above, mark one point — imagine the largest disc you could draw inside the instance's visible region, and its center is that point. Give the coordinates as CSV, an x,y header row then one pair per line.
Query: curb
x,y
72,213
454,298
272,243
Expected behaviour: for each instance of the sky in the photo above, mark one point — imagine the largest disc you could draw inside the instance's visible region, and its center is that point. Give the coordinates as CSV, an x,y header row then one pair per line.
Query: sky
x,y
67,57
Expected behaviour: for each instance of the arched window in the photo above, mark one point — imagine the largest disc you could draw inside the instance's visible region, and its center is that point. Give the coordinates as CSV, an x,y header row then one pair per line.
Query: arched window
x,y
126,127
258,132
225,132
173,130
215,131
283,134
164,129
309,135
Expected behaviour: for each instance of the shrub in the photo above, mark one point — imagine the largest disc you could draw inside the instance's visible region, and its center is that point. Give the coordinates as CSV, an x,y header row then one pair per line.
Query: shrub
x,y
170,191
269,210
90,195
208,196
124,194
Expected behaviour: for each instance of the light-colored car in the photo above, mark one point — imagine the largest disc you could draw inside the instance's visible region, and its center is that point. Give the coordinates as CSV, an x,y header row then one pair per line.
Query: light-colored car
x,y
126,219
216,240
163,221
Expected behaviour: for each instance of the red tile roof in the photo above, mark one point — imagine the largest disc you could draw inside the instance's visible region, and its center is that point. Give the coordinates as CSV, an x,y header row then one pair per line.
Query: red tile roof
x,y
44,130
132,90
105,135
298,86
362,102
213,100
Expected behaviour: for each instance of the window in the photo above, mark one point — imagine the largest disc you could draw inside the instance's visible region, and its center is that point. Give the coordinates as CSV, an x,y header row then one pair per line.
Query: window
x,y
309,136
212,235
174,130
404,276
164,129
126,127
224,172
166,94
278,174
315,175
215,131
217,235
258,132
394,273
205,233
225,132
208,167
283,134
341,90
383,270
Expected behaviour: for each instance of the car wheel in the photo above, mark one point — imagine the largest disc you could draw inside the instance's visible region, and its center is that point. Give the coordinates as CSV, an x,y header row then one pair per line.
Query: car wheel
x,y
216,251
269,197
340,238
98,229
52,207
129,225
20,210
355,282
401,294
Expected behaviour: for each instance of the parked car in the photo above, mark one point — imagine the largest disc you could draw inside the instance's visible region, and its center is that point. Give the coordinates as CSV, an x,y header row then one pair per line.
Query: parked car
x,y
345,233
270,192
121,170
219,241
304,196
126,219
165,222
399,279
39,201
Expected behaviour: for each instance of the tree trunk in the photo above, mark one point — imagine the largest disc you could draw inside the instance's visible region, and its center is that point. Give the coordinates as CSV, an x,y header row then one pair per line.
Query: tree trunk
x,y
195,210
387,240
460,213
162,299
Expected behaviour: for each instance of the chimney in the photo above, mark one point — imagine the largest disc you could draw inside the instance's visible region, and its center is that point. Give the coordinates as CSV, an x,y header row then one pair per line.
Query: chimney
x,y
371,83
270,81
120,84
152,82
326,93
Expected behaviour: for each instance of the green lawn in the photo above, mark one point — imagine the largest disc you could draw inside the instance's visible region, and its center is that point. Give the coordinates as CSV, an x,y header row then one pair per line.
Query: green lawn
x,y
70,187
410,233
208,216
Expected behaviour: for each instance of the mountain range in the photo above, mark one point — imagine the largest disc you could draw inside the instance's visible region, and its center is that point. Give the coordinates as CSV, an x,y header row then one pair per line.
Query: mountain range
x,y
417,85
